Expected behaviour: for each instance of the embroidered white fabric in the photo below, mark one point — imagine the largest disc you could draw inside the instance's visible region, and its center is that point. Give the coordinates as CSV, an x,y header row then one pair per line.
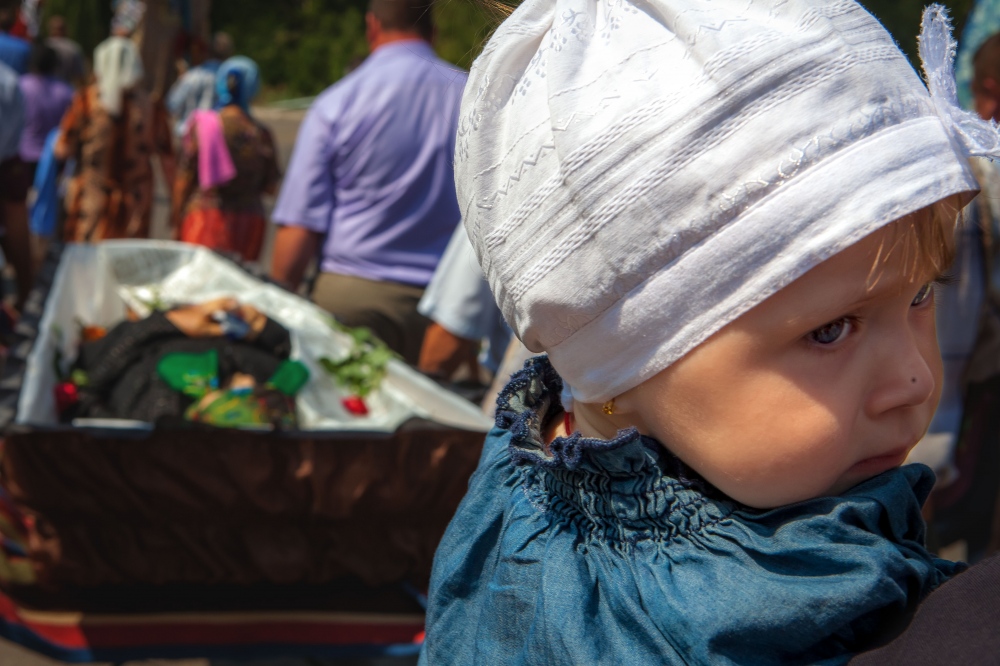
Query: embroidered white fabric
x,y
635,174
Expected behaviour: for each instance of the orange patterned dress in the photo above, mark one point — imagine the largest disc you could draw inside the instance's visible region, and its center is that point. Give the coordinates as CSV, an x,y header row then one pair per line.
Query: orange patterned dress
x,y
111,195
230,217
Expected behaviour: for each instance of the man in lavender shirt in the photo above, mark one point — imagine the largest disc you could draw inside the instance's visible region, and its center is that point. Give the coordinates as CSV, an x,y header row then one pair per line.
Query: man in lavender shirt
x,y
371,181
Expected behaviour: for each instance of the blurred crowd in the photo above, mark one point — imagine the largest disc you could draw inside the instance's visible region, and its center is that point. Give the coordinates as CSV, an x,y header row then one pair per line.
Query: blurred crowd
x,y
81,140
363,218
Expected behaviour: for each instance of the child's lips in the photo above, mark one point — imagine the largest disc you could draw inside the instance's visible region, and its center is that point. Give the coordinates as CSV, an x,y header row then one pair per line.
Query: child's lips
x,y
878,464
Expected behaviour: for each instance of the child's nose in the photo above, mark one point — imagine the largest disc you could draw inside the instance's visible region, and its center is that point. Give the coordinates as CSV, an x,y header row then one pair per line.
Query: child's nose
x,y
907,379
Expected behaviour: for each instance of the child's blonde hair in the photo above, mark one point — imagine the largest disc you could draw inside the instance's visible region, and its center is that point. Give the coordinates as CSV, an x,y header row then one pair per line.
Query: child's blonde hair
x,y
925,239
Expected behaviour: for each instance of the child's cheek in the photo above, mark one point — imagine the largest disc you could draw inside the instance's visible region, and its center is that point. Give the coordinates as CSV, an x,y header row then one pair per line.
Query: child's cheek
x,y
765,456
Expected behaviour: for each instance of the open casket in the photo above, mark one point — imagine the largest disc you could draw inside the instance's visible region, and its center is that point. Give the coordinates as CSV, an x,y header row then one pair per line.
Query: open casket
x,y
124,540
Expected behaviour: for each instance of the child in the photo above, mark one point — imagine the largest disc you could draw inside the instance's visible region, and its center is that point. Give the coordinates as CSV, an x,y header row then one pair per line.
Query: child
x,y
722,221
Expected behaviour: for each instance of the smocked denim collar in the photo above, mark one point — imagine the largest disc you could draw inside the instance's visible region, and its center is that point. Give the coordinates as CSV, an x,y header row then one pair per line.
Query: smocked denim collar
x,y
625,489
631,488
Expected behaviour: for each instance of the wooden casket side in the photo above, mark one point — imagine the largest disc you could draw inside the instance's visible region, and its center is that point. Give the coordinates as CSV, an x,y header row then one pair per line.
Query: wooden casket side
x,y
226,507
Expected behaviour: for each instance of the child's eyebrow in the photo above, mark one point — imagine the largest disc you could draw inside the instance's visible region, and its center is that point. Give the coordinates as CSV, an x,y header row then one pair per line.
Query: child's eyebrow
x,y
945,278
844,302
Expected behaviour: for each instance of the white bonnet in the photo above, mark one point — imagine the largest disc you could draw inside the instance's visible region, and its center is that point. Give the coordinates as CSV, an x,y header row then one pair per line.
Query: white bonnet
x,y
634,175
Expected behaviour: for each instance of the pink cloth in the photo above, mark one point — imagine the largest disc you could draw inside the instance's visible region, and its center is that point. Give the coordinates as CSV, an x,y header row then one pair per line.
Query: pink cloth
x,y
215,164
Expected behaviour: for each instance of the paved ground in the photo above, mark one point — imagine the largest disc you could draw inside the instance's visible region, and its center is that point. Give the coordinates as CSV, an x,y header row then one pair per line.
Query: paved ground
x,y
284,125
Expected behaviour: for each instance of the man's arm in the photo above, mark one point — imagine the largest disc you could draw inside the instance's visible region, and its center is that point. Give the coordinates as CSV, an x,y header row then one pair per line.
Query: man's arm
x,y
306,201
461,309
294,247
443,353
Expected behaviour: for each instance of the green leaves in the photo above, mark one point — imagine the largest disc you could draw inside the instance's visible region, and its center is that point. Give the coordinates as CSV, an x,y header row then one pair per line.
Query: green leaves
x,y
304,46
364,367
79,377
301,46
87,20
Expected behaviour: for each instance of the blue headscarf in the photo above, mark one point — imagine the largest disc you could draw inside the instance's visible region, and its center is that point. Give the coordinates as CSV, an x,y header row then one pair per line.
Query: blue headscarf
x,y
983,22
247,82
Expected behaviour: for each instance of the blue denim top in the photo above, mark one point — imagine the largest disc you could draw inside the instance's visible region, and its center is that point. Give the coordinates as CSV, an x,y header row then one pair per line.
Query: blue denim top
x,y
613,552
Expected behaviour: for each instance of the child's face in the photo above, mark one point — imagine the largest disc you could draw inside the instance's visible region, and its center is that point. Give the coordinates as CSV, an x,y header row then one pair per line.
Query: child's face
x,y
825,384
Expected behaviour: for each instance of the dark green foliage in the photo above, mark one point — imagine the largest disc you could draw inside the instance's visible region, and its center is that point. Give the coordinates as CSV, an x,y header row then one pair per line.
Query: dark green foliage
x,y
463,26
303,46
902,19
364,368
89,21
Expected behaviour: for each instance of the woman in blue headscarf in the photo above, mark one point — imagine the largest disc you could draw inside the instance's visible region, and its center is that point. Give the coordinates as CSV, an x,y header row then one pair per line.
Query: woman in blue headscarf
x,y
227,162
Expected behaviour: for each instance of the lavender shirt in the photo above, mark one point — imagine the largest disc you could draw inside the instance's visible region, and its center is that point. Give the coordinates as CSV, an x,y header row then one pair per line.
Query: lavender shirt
x,y
372,166
45,101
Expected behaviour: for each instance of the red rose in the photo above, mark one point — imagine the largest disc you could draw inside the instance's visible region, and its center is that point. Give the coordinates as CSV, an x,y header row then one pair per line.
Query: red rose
x,y
355,405
66,396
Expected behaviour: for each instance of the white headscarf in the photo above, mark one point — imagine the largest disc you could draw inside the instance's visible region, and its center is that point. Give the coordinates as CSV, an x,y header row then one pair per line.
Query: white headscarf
x,y
117,67
636,174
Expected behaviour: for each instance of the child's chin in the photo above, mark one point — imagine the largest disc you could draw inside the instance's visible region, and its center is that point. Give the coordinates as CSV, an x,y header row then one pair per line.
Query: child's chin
x,y
866,469
875,465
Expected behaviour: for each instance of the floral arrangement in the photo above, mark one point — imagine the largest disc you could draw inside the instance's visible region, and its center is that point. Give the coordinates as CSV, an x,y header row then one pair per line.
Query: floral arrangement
x,y
362,370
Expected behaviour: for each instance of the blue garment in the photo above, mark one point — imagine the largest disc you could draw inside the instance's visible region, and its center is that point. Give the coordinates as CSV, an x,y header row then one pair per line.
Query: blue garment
x,y
613,552
247,78
372,166
44,210
459,299
194,90
15,53
981,24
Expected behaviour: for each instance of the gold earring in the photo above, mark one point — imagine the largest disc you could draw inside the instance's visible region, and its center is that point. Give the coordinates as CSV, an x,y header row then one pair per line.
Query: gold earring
x,y
609,407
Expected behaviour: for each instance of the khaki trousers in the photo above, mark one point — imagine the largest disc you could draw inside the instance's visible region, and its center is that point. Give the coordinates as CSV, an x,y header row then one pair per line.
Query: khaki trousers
x,y
389,309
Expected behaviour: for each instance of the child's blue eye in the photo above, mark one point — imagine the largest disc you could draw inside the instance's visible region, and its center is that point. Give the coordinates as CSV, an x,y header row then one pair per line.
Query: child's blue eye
x,y
832,332
924,293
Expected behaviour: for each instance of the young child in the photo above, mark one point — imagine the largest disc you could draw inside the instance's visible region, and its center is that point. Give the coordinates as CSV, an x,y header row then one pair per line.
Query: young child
x,y
722,221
